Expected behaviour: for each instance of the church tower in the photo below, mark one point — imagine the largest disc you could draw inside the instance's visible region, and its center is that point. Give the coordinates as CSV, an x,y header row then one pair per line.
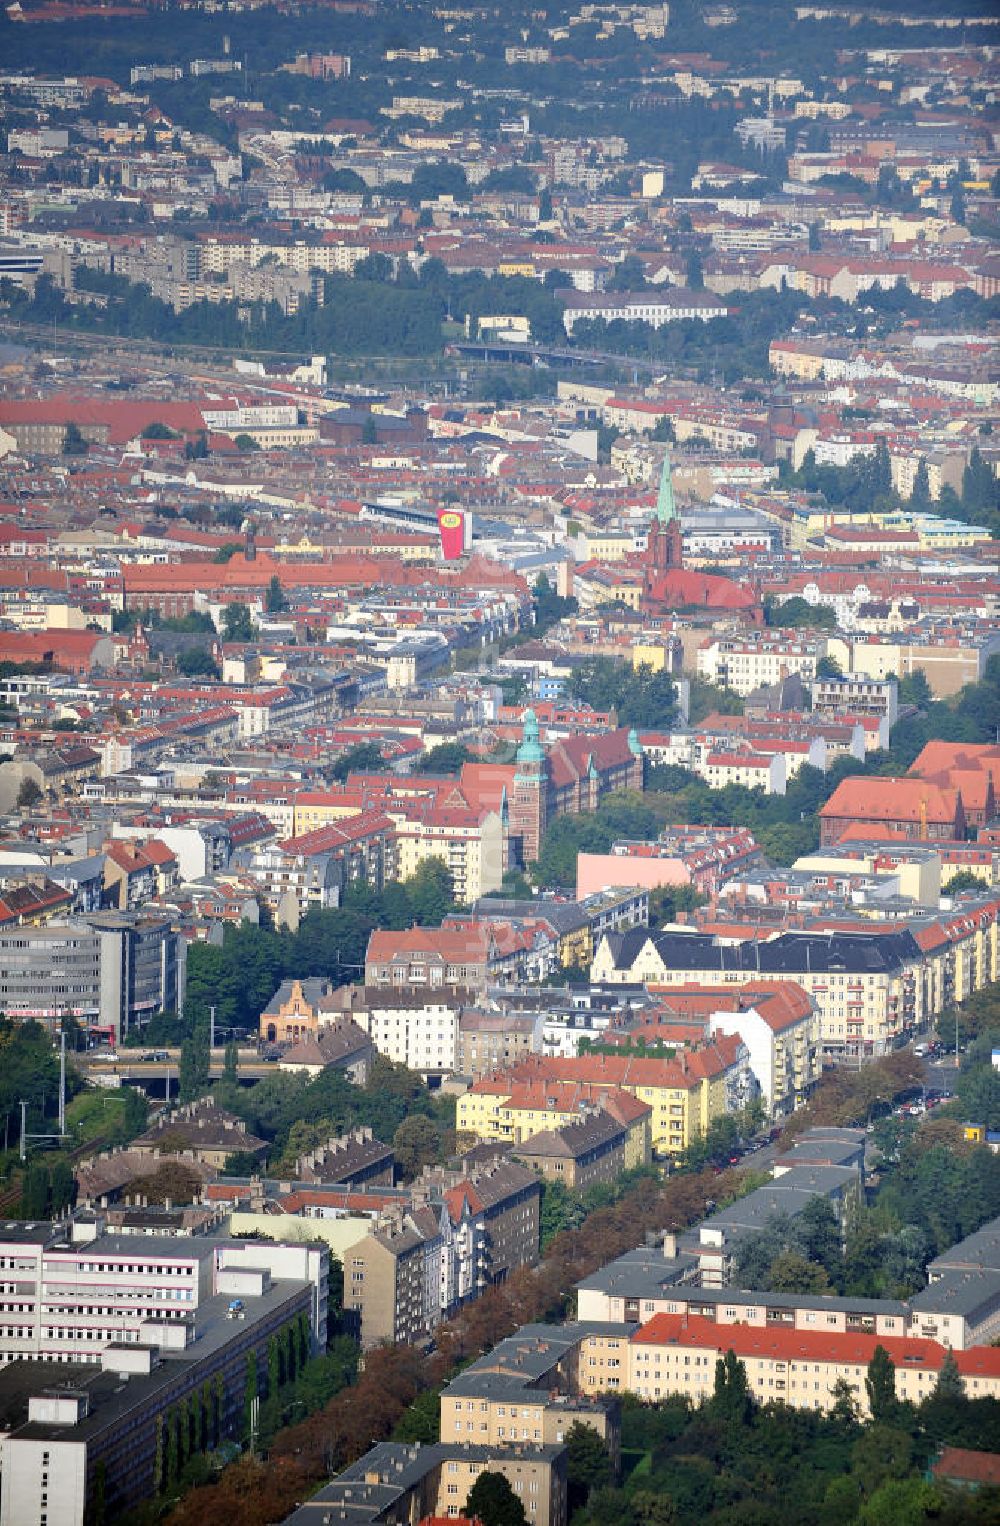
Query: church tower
x,y
664,549
529,808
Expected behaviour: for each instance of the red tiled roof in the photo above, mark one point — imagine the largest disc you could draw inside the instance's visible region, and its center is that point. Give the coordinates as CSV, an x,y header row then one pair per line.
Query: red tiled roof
x,y
471,941
867,798
967,1467
789,1345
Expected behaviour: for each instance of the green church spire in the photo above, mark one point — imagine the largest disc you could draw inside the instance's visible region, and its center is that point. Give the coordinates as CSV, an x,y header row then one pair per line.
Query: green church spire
x,y
666,508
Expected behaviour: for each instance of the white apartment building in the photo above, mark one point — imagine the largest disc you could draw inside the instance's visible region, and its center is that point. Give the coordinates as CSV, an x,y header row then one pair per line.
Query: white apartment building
x,y
68,1291
62,1301
423,1038
749,663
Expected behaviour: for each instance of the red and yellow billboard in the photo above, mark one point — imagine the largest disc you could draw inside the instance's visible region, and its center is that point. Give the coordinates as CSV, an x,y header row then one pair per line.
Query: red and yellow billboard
x,y
451,523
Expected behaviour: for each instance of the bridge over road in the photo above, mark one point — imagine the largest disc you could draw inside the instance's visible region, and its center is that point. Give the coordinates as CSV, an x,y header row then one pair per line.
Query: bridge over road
x,y
131,1068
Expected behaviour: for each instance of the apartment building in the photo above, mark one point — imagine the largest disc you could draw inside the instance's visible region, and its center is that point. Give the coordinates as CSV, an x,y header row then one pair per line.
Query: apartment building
x,y
470,842
110,969
422,1035
398,1483
94,1431
677,1353
495,1217
746,663
393,1277
778,1022
588,1153
646,1282
683,1094
857,696
655,308
203,1131
869,988
457,1235
314,869
527,1390
430,959
489,1041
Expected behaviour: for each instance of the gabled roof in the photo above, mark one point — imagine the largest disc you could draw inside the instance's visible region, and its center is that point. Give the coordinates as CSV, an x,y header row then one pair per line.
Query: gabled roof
x,y
914,800
790,1345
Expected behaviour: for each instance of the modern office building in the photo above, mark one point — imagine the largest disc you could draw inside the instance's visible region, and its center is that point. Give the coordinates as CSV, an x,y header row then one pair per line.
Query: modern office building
x,y
141,1343
109,969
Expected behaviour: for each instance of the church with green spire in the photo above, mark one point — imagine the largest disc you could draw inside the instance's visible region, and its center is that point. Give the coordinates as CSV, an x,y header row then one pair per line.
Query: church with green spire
x,y
667,584
664,549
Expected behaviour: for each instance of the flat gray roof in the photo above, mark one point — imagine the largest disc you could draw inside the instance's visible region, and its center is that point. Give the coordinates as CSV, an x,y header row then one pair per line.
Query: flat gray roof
x,y
112,1399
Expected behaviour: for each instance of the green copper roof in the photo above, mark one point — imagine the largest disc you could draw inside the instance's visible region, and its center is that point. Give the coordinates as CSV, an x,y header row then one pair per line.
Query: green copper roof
x,y
666,509
530,750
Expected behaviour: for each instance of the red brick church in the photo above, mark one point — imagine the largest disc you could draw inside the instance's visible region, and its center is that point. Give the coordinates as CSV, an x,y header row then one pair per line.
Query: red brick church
x,y
571,776
667,584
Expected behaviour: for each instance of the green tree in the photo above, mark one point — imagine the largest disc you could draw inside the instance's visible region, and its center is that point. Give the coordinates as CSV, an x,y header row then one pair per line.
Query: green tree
x,y
492,1499
963,880
74,443
231,1062
416,1144
237,624
195,1065
798,612
35,1192
422,1421
276,600
197,662
654,1508
880,1386
246,442
588,1465
365,758
158,1478
251,1390
63,1185
731,1399
445,758
881,1452
920,493
172,1462
28,795
820,1232
949,1384
431,893
791,1272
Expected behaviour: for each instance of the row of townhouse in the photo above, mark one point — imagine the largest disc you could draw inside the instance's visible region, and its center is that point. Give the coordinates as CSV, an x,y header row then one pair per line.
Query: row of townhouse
x,y
755,661
653,1340
873,987
459,1236
684,1094
702,856
677,1354
411,1255
959,1307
